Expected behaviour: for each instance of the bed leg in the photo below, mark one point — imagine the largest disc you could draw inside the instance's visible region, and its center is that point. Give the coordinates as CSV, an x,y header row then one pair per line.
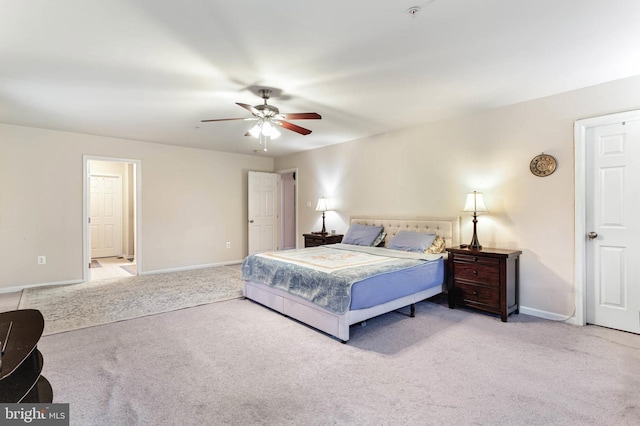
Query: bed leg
x,y
413,310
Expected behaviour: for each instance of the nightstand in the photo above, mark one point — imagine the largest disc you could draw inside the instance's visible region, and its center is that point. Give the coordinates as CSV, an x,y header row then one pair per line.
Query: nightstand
x,y
313,240
486,279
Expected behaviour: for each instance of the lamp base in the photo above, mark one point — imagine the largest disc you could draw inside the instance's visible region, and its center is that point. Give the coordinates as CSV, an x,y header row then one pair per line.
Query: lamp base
x,y
474,244
324,228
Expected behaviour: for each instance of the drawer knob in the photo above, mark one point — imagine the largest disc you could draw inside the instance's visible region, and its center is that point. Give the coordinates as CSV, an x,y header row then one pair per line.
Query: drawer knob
x,y
475,259
475,293
475,272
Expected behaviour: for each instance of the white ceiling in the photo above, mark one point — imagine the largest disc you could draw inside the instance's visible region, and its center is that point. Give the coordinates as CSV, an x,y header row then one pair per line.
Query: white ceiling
x,y
150,70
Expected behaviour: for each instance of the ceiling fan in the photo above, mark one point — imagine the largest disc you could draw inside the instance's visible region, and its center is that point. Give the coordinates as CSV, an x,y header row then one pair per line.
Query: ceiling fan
x,y
268,117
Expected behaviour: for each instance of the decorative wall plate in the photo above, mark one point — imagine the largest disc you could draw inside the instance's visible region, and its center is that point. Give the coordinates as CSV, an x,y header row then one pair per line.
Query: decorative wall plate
x,y
543,165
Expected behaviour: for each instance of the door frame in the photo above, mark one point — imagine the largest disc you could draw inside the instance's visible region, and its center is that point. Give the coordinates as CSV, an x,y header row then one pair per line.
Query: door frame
x,y
580,204
295,205
137,205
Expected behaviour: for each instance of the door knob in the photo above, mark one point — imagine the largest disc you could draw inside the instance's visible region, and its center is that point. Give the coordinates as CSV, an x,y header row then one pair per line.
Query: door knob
x,y
251,221
592,235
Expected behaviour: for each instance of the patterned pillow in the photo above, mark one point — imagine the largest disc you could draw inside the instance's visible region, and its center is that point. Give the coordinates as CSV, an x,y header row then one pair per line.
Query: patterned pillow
x,y
379,239
438,246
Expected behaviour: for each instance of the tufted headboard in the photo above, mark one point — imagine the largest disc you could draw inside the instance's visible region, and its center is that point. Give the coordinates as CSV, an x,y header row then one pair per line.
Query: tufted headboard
x,y
445,227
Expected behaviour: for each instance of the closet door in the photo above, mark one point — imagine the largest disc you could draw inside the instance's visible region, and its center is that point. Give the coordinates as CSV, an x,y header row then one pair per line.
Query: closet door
x,y
612,225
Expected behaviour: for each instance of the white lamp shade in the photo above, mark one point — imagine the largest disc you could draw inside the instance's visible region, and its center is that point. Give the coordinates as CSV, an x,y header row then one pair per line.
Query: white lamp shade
x,y
274,133
264,128
322,206
255,131
475,203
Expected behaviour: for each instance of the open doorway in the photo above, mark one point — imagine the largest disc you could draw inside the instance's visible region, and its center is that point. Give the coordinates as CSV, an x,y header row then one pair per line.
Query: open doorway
x,y
288,211
111,214
272,211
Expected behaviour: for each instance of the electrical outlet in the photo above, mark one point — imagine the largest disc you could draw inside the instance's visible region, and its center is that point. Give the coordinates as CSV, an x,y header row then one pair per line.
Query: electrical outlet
x,y
228,244
42,260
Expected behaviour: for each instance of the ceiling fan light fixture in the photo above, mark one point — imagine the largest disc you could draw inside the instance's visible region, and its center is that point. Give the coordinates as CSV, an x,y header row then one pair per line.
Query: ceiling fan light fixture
x,y
266,128
275,134
255,130
269,130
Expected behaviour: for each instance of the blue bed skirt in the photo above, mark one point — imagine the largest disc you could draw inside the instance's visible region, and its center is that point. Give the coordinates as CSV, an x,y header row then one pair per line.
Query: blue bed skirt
x,y
393,285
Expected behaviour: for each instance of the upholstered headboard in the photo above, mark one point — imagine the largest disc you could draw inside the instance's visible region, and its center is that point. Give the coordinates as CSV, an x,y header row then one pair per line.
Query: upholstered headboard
x,y
445,227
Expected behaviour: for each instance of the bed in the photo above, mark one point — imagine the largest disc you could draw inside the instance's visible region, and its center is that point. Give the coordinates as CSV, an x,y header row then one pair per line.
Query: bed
x,y
333,287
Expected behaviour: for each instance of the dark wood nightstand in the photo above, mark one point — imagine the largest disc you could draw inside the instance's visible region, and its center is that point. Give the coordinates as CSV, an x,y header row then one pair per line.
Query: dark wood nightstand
x,y
486,279
313,240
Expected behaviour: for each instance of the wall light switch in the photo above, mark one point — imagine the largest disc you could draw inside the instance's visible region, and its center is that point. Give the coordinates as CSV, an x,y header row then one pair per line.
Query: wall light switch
x,y
42,260
309,204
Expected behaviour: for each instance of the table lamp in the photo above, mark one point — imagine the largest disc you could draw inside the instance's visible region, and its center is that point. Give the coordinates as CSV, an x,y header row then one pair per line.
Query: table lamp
x,y
475,204
323,207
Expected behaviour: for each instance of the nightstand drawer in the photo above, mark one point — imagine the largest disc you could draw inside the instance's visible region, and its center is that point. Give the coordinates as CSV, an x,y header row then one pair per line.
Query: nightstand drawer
x,y
314,240
477,294
477,259
477,272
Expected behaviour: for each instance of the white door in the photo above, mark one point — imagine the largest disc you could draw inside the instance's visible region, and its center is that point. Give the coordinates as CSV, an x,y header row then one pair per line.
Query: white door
x,y
613,225
105,214
263,211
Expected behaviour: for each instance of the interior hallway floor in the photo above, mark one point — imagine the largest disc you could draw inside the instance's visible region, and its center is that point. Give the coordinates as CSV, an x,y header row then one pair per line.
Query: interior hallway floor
x,y
111,267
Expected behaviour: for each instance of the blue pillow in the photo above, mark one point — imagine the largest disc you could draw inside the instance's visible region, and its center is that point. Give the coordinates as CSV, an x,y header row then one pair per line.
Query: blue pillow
x,y
361,235
416,242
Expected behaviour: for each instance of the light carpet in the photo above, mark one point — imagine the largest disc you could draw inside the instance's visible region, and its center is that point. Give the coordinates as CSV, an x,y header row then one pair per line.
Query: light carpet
x,y
238,363
72,307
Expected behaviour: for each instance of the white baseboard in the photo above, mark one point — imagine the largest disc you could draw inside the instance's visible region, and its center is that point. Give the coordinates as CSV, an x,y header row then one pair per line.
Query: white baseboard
x,y
190,268
548,315
20,288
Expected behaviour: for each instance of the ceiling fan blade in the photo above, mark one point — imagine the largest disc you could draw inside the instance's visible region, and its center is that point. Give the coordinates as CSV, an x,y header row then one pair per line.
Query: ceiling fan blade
x,y
249,108
228,119
293,127
301,116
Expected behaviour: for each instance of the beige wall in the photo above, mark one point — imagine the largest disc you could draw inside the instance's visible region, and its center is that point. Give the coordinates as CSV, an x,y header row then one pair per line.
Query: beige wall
x,y
193,201
428,170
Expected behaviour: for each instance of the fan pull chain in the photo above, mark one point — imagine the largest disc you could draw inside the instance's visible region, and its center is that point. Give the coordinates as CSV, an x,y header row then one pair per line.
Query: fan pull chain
x,y
263,141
